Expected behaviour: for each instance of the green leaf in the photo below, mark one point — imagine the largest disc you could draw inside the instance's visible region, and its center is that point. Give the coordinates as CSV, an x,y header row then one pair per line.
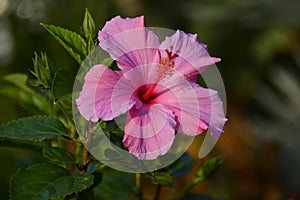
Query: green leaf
x,y
82,181
23,144
162,178
115,188
64,107
111,64
21,93
196,197
88,26
57,154
46,181
113,127
108,62
42,70
62,84
31,101
71,41
204,173
33,128
182,166
210,167
93,166
89,31
19,80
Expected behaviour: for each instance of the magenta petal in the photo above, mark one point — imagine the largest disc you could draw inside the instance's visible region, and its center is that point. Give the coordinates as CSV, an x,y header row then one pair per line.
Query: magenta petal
x,y
129,42
196,108
99,89
193,57
211,110
141,75
149,131
118,25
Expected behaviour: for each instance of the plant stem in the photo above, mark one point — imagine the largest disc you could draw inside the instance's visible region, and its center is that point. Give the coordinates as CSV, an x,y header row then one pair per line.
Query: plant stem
x,y
86,154
85,159
157,193
138,180
70,146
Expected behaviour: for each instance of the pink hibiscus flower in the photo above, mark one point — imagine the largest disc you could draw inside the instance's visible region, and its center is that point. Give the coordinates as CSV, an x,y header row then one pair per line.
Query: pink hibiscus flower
x,y
156,86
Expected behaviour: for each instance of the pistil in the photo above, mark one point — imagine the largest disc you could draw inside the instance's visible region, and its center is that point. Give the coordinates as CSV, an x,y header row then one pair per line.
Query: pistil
x,y
165,69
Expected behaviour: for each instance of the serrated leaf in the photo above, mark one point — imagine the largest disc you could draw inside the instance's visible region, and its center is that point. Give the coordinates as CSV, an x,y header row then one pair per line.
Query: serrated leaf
x,y
209,168
33,128
88,26
62,84
46,181
82,181
42,70
20,92
57,154
71,41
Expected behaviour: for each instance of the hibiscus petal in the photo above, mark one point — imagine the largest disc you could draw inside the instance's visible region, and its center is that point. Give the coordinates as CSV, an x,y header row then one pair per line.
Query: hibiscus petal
x,y
129,42
211,110
196,108
100,89
149,131
118,25
193,57
143,74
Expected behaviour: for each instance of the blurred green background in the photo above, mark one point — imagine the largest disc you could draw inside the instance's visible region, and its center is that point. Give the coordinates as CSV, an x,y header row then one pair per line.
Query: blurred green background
x,y
259,43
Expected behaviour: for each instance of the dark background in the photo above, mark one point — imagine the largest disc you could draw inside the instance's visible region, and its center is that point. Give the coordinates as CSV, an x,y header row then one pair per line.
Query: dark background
x,y
259,43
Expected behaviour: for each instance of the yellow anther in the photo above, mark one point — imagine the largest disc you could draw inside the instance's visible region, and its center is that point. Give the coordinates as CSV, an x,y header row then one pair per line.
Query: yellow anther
x,y
166,67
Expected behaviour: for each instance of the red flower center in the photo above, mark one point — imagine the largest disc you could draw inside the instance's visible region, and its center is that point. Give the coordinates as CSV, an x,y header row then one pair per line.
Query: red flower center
x,y
144,95
165,70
